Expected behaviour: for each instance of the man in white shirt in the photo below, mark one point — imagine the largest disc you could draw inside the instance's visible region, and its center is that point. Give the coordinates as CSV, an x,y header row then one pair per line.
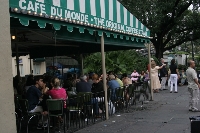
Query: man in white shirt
x,y
193,86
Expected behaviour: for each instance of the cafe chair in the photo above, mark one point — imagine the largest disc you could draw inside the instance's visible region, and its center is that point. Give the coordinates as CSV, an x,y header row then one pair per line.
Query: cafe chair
x,y
56,109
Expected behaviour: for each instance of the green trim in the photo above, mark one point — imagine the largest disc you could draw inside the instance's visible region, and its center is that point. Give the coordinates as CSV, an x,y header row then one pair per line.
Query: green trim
x,y
24,20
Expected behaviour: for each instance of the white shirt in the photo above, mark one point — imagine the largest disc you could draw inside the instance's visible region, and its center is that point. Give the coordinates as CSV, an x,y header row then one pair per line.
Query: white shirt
x,y
191,75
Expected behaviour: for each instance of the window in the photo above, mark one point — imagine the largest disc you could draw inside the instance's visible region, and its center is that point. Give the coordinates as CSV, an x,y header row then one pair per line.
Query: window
x,y
21,69
36,68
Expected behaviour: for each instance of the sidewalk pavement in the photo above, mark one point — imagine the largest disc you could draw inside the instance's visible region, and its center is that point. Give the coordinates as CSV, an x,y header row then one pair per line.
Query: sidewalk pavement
x,y
168,113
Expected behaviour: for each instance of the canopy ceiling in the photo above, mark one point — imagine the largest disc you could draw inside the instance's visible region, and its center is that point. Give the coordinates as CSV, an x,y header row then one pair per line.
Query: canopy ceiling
x,y
71,18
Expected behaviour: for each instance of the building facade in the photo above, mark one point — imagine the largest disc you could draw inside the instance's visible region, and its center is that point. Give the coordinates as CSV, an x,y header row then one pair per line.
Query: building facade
x,y
35,67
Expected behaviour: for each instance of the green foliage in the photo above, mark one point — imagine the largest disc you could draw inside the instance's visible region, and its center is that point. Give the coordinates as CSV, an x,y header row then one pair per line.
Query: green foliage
x,y
117,61
170,21
182,67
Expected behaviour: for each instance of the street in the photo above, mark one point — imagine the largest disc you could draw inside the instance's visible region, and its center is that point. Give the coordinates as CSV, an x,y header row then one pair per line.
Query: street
x,y
168,113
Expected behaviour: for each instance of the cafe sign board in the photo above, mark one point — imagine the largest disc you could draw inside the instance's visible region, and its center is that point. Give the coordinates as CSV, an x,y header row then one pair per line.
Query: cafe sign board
x,y
109,14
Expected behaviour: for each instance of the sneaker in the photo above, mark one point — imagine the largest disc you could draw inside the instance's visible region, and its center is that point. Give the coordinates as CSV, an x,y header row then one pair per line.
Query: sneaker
x,y
176,92
170,91
195,110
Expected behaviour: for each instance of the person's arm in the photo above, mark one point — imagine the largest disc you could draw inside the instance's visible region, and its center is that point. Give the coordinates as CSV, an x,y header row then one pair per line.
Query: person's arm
x,y
160,66
194,76
177,72
196,81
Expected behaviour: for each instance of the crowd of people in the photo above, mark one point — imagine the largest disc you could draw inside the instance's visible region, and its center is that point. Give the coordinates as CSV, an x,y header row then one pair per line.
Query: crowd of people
x,y
38,89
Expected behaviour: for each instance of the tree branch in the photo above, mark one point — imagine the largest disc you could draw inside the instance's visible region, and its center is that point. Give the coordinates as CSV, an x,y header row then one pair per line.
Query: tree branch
x,y
173,46
168,39
171,22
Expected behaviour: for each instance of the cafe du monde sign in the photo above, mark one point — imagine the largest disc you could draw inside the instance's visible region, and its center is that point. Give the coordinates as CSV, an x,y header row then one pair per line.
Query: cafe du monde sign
x,y
59,8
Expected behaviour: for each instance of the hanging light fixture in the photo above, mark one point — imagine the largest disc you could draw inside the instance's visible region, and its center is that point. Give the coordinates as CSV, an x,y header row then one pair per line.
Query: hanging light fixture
x,y
13,37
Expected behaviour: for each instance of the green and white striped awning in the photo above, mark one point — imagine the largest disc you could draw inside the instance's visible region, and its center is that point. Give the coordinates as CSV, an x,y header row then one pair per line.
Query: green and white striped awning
x,y
100,15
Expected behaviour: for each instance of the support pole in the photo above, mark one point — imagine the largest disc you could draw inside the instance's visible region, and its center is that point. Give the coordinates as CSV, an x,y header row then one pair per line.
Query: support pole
x,y
17,59
149,53
82,72
104,75
53,67
192,50
30,66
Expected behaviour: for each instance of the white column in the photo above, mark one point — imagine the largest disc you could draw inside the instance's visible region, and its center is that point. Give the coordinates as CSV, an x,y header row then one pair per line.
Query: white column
x,y
149,53
104,74
7,112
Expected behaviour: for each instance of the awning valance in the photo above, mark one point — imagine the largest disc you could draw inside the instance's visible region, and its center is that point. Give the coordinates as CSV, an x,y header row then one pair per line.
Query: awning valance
x,y
98,15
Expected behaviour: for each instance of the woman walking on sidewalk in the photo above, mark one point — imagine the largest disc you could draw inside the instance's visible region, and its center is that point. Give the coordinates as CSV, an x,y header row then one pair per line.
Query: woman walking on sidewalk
x,y
174,75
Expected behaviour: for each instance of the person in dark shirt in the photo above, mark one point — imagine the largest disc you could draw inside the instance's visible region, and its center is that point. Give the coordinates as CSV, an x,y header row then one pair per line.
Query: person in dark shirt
x,y
163,74
97,86
34,97
68,83
34,94
83,85
174,75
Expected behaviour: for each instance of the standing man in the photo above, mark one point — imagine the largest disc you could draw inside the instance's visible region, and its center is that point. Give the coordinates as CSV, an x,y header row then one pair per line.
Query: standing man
x,y
163,74
193,86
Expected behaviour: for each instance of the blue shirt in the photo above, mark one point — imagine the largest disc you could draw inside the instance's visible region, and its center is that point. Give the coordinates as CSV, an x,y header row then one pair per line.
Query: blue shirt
x,y
113,86
33,95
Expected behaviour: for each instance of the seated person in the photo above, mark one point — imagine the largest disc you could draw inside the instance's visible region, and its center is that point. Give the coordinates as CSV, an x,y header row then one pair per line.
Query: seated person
x,y
119,81
34,95
97,86
57,92
83,85
142,77
134,76
68,83
146,76
113,85
182,78
126,80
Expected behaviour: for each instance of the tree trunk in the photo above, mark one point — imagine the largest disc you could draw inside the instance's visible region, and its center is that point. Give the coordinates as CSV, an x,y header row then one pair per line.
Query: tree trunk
x,y
159,54
159,48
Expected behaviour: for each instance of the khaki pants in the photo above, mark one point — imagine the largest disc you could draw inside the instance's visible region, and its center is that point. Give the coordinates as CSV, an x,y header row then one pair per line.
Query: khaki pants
x,y
163,82
194,98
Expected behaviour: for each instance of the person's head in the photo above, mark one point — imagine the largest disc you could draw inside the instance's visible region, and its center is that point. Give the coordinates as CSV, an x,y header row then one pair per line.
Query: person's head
x,y
182,70
124,75
38,80
111,77
162,60
173,61
95,78
69,76
153,64
142,72
55,82
134,71
191,64
90,75
30,80
83,78
152,59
